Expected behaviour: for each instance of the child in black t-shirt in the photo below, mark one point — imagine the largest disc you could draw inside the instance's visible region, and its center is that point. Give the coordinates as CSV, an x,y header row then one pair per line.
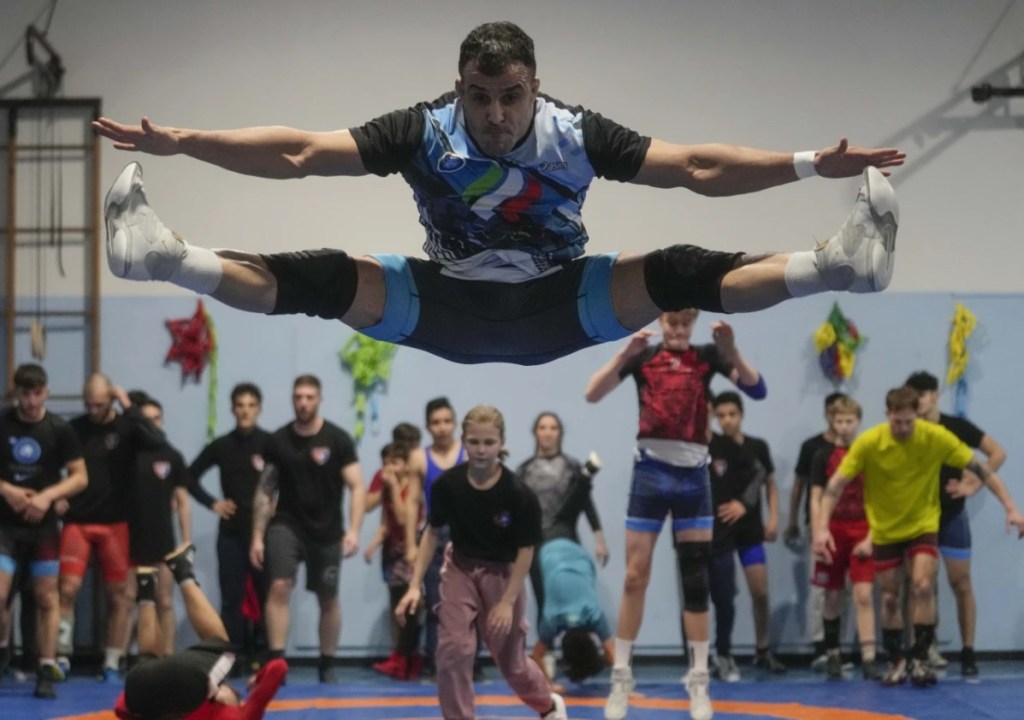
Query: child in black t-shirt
x,y
495,525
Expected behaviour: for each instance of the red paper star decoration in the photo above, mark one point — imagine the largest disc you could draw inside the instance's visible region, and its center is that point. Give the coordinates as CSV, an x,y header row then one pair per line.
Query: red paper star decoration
x,y
192,342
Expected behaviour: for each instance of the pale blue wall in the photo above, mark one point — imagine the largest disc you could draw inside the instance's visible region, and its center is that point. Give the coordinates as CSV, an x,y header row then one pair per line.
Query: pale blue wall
x,y
905,332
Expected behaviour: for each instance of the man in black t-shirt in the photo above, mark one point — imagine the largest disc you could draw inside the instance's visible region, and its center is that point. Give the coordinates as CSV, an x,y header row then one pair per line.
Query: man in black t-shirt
x,y
239,458
40,464
954,527
741,466
307,463
96,520
499,173
799,507
158,493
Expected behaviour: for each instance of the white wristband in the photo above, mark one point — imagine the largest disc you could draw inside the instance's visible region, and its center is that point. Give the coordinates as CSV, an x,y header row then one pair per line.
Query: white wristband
x,y
803,164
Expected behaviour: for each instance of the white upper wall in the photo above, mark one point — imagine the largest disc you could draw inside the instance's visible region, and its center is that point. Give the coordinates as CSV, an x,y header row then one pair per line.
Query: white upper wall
x,y
789,75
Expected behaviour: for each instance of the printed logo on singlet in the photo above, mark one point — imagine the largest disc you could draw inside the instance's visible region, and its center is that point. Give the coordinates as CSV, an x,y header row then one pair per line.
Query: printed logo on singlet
x,y
26,450
503,519
553,166
162,469
111,440
450,162
320,455
720,467
257,463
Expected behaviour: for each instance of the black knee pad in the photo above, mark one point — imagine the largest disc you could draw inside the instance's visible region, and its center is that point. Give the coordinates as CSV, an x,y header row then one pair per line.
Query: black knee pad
x,y
319,283
686,276
693,558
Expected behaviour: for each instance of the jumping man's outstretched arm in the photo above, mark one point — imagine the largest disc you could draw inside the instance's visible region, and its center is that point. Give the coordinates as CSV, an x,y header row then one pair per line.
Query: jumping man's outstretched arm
x,y
269,152
719,170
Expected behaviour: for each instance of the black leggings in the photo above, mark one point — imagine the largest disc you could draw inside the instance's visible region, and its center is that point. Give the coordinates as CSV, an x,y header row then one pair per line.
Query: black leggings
x,y
408,634
722,572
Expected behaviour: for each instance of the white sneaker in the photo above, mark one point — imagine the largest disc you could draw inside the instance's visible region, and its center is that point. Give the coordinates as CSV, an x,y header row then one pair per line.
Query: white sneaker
x,y
936,658
558,712
727,669
697,688
139,246
859,258
618,698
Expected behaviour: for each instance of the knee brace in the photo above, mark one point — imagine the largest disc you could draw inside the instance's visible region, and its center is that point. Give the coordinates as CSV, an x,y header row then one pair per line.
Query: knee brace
x,y
693,558
686,276
319,283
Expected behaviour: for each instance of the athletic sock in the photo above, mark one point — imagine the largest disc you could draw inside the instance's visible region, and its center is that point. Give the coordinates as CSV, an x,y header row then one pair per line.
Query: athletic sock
x,y
892,641
867,650
623,653
66,635
924,636
699,655
802,276
831,633
200,270
112,658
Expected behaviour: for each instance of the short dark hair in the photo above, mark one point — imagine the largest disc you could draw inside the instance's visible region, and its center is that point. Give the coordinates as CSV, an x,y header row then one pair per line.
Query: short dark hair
x,y
139,397
307,380
438,403
727,398
580,654
831,398
902,398
394,450
495,46
407,434
30,376
246,388
922,381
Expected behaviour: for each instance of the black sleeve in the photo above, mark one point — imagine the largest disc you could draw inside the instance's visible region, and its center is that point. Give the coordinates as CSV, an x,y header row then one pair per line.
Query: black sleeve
x,y
528,533
346,449
634,363
388,143
967,432
818,474
590,510
69,445
614,151
717,361
199,466
806,457
179,473
439,501
764,454
584,487
144,433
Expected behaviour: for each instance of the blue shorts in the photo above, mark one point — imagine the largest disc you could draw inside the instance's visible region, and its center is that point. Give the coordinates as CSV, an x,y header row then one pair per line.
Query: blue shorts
x,y
661,489
752,555
475,321
955,536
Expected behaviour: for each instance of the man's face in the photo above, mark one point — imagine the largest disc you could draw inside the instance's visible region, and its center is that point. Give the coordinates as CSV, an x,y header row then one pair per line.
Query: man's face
x,y
676,329
730,418
901,422
306,402
548,434
441,425
245,408
32,402
99,404
498,109
483,443
845,426
926,402
154,414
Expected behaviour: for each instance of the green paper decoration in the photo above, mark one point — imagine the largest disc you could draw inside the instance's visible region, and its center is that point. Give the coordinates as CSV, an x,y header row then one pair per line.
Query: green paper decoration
x,y
369,363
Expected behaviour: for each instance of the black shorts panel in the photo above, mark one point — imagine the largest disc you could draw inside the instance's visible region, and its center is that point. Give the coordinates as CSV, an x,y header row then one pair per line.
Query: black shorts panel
x,y
285,548
686,276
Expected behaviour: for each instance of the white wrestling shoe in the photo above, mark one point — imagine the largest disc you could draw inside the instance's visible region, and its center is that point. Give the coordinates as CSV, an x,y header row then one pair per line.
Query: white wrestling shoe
x,y
618,699
558,711
697,687
859,258
139,246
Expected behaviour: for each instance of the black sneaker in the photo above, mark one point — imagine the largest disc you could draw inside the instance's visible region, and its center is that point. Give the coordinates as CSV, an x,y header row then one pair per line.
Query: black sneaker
x,y
327,675
181,563
834,665
764,660
968,663
46,675
869,670
922,674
